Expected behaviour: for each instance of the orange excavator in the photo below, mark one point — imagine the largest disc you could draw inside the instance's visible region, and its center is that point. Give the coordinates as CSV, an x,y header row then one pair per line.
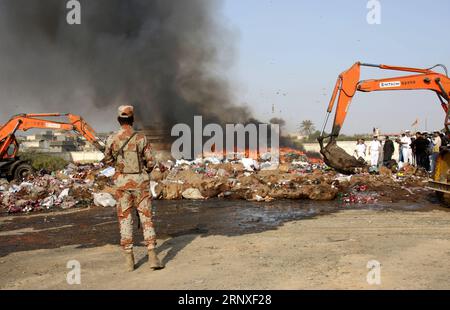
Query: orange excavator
x,y
11,166
349,83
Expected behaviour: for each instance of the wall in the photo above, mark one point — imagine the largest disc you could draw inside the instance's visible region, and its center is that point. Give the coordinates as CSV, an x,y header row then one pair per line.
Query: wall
x,y
348,146
80,157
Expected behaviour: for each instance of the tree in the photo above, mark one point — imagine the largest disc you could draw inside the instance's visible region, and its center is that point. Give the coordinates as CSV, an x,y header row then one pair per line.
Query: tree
x,y
307,127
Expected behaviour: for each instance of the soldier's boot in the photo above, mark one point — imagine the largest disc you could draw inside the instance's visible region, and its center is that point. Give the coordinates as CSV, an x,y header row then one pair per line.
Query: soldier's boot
x,y
129,261
154,261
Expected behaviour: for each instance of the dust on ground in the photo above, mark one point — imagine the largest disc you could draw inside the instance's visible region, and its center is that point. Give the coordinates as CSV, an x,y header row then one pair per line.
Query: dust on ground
x,y
219,244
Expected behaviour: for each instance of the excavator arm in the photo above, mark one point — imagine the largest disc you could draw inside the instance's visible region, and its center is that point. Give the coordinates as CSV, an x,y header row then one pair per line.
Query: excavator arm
x,y
25,122
349,83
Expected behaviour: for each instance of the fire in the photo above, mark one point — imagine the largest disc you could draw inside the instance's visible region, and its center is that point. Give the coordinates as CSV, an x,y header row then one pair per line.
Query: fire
x,y
255,154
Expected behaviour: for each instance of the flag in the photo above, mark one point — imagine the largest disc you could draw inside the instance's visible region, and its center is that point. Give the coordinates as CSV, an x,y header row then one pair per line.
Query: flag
x,y
416,122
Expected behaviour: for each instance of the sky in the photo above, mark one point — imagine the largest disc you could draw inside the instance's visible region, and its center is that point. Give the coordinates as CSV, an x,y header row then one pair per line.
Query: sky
x,y
290,52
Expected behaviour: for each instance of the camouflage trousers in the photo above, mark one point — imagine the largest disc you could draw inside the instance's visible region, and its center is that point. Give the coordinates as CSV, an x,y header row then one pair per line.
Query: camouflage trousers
x,y
127,202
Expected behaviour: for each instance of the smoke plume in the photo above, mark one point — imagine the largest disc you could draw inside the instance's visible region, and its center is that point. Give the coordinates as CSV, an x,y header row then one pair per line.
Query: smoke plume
x,y
166,57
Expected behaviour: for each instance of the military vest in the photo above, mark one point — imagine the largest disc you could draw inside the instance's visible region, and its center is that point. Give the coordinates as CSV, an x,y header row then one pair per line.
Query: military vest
x,y
127,154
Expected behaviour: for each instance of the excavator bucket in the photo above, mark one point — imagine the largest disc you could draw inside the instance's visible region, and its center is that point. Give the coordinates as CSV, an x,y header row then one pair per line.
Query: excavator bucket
x,y
440,181
340,160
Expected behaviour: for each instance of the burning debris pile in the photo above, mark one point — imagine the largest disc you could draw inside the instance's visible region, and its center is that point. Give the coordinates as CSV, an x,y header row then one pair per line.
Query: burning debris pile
x,y
243,179
296,177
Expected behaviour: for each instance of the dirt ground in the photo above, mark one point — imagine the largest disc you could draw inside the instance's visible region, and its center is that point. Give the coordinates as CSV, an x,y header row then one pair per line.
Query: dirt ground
x,y
230,245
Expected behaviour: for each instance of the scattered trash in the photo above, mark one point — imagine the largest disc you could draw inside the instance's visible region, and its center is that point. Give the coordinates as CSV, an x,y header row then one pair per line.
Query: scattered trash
x,y
343,178
408,190
108,172
250,164
153,185
63,194
193,194
295,176
64,189
358,198
361,188
49,201
212,160
104,200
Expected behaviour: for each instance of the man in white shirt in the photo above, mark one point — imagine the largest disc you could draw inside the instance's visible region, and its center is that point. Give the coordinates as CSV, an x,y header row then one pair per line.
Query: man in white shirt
x,y
405,146
360,150
374,151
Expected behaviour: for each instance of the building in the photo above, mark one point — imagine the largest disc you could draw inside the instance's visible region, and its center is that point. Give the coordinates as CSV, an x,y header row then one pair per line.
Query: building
x,y
54,142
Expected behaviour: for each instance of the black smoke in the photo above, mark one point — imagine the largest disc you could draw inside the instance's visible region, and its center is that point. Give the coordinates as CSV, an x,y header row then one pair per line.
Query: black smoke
x,y
167,57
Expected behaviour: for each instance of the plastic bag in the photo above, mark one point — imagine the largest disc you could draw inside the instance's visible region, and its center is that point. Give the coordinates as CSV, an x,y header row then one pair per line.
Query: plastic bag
x,y
104,200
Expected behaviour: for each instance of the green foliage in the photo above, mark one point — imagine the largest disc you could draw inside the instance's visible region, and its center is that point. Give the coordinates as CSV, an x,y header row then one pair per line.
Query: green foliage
x,y
313,137
307,127
41,161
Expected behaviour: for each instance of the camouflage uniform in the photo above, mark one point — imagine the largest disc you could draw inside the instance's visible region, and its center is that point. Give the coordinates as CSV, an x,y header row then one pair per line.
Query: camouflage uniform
x,y
132,183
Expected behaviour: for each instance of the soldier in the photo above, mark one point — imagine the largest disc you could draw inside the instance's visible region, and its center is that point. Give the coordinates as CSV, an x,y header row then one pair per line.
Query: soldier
x,y
130,154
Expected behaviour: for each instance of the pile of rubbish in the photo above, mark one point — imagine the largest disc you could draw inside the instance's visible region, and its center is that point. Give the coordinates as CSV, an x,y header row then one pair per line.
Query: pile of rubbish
x,y
242,179
75,186
297,176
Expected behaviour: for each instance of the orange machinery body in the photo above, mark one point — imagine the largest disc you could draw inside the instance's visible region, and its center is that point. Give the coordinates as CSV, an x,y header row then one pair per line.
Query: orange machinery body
x,y
9,146
349,82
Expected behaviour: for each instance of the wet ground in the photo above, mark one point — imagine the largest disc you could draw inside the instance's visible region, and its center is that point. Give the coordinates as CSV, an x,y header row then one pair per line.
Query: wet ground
x,y
95,227
219,244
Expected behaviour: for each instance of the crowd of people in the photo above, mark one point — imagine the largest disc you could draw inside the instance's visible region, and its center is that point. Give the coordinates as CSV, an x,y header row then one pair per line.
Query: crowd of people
x,y
421,149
